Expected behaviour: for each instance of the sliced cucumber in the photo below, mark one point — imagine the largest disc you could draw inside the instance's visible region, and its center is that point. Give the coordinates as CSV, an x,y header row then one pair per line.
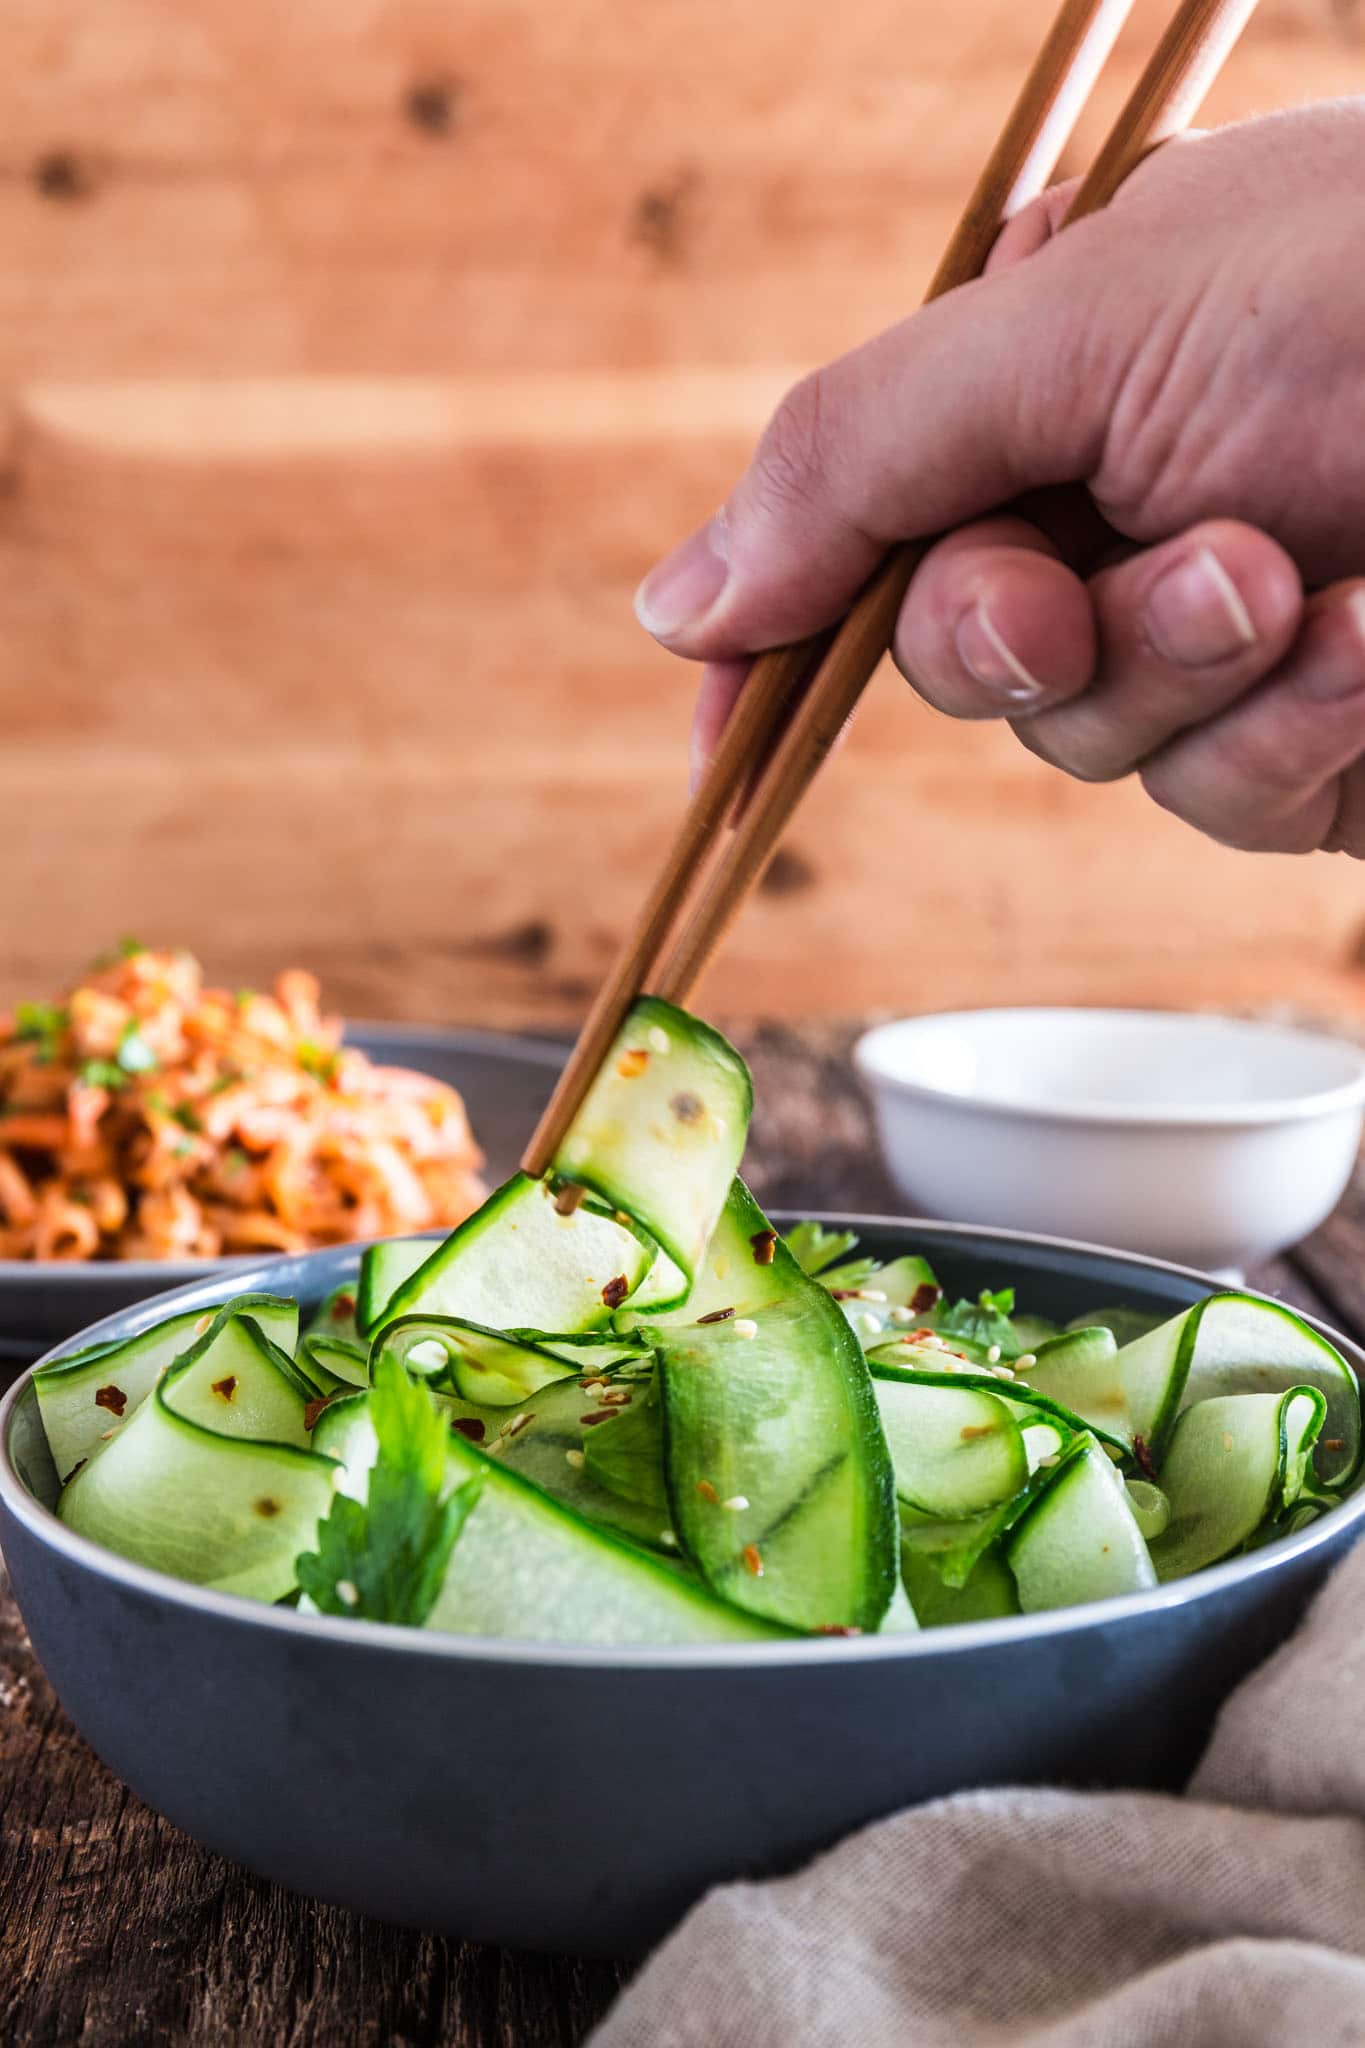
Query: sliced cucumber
x,y
956,1451
221,1511
1079,1540
465,1358
1123,1324
1080,1371
988,1593
383,1269
1236,1344
662,1129
1043,1441
81,1397
778,1471
335,1316
1151,1508
747,1267
1236,1462
1031,1331
235,1381
522,1262
1024,1401
331,1363
528,1567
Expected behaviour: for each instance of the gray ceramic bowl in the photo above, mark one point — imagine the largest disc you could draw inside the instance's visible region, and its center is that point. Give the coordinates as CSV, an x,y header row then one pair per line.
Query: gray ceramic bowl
x,y
557,1798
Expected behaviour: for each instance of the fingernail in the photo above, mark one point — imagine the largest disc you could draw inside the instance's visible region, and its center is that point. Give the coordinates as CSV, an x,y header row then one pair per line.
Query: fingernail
x,y
986,654
685,585
1339,670
1195,614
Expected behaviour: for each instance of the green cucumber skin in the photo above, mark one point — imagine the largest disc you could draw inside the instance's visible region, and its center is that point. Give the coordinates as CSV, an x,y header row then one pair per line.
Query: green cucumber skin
x,y
1083,1465
718,1547
670,1607
426,1292
383,1269
75,1428
1178,1551
1009,1391
484,1364
609,1116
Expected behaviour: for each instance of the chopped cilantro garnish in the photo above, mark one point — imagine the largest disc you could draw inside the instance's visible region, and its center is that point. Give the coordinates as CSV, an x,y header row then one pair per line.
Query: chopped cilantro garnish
x,y
124,950
40,1022
318,1060
384,1558
227,1080
134,1054
187,1117
984,1321
813,1247
101,1074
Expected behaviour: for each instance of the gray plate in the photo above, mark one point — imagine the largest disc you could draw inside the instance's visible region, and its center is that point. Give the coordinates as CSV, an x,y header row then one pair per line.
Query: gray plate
x,y
551,1797
504,1081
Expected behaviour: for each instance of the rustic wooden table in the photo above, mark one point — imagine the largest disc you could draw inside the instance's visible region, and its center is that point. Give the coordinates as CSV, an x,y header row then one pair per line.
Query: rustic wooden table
x,y
116,1930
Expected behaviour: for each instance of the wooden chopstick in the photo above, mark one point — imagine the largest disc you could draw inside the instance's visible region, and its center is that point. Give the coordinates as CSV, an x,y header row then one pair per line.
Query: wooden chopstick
x,y
1022,161
1182,68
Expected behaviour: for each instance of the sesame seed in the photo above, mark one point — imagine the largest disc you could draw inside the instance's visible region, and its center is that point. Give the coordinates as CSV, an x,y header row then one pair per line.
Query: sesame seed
x,y
870,1323
1027,1359
510,1428
1050,1462
348,1591
744,1327
574,1458
871,1294
659,1039
668,1539
933,1341
993,1355
1002,1372
616,1397
753,1559
901,1316
736,1503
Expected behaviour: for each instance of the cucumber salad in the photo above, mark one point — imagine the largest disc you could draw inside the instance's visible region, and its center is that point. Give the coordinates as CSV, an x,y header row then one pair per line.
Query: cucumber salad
x,y
616,1407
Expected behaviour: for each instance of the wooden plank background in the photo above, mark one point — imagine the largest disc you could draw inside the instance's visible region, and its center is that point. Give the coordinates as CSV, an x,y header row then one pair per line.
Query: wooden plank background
x,y
360,356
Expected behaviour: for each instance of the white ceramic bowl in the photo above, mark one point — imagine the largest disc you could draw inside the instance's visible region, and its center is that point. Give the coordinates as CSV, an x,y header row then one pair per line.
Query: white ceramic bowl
x,y
1207,1140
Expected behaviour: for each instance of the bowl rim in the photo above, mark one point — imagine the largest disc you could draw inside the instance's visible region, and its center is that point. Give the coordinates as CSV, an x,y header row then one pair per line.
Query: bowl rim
x,y
390,1638
1306,1106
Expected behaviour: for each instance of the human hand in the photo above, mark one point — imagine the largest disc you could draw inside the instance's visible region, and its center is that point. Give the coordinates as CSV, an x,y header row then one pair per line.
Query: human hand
x,y
1168,402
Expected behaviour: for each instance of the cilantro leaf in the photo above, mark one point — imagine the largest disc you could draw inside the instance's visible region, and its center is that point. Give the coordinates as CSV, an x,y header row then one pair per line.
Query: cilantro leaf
x,y
101,1074
985,1321
384,1558
40,1022
813,1247
321,1061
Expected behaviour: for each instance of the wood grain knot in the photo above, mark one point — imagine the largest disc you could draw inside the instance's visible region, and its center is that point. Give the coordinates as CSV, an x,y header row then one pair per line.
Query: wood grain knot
x,y
61,174
787,874
526,945
659,220
433,104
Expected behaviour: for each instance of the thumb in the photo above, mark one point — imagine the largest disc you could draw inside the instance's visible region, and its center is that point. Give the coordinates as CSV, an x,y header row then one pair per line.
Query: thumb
x,y
1000,387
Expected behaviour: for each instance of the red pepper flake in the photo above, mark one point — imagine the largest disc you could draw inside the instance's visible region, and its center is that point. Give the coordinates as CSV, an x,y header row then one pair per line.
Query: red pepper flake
x,y
1334,1443
312,1410
615,1291
707,1492
763,1244
568,1198
470,1426
113,1398
753,1560
226,1387
632,1063
598,1415
687,1107
717,1315
1143,1459
835,1628
343,1306
924,1298
268,1506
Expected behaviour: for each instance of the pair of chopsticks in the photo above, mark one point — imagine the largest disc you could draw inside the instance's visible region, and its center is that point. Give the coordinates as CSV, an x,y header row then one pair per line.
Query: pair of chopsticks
x,y
779,732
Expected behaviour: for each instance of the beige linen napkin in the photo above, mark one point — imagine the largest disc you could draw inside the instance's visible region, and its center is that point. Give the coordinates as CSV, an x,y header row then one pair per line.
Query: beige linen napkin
x,y
1233,1917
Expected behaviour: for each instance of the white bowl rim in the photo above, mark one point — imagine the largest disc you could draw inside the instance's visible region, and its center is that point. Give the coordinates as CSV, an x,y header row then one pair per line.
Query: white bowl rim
x,y
1303,1107
391,1638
